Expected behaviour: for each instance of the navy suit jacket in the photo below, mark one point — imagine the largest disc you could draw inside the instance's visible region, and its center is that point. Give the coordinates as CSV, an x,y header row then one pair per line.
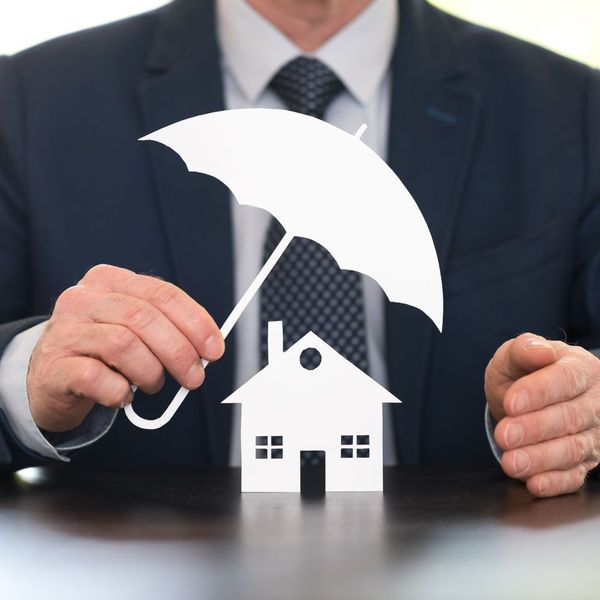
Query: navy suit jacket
x,y
497,140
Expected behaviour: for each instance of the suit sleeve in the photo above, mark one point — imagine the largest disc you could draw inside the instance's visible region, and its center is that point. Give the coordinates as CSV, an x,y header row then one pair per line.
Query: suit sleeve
x,y
585,308
13,453
15,281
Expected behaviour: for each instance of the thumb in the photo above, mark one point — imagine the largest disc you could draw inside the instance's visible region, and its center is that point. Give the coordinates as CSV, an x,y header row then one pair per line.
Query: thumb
x,y
515,359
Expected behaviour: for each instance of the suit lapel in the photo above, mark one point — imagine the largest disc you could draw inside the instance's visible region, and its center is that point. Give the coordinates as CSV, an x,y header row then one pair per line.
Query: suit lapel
x,y
432,129
183,79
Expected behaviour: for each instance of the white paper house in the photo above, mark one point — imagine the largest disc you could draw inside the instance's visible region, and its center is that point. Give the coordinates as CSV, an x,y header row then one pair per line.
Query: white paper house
x,y
334,408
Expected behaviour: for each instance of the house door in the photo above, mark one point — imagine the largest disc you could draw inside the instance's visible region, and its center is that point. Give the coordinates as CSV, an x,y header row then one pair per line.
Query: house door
x,y
312,472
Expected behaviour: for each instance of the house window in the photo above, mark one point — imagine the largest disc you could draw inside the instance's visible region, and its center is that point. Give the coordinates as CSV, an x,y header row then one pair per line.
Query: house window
x,y
264,449
360,449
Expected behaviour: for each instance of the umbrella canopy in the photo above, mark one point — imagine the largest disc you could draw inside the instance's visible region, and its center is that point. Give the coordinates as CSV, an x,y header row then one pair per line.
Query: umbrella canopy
x,y
320,183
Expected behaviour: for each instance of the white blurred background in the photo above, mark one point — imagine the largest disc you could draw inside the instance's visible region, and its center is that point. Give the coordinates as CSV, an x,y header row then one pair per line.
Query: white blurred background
x,y
571,27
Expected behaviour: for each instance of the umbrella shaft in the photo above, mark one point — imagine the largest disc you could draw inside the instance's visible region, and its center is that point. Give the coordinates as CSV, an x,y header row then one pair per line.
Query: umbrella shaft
x,y
231,320
236,313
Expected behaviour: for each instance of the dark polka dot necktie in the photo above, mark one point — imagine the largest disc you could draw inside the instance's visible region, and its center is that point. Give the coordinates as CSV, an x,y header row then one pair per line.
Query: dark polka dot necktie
x,y
306,289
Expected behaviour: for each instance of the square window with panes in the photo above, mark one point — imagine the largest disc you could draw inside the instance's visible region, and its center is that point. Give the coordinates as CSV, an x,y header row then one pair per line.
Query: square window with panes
x,y
269,446
355,446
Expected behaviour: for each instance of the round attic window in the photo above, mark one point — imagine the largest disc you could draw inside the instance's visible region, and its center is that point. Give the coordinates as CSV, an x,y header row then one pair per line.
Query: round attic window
x,y
310,358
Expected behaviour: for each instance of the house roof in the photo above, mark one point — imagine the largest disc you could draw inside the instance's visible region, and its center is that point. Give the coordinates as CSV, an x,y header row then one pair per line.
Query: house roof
x,y
334,372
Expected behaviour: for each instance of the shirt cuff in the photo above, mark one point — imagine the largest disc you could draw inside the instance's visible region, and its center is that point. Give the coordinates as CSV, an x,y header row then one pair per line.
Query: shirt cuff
x,y
490,425
14,364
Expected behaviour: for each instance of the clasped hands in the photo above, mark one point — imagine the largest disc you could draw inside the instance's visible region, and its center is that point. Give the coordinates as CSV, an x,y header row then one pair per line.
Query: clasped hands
x,y
116,328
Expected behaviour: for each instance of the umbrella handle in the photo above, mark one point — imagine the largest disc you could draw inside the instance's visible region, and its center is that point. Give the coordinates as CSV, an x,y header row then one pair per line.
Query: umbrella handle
x,y
231,320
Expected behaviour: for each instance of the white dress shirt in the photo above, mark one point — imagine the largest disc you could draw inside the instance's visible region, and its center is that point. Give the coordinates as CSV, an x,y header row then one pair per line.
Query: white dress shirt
x,y
253,50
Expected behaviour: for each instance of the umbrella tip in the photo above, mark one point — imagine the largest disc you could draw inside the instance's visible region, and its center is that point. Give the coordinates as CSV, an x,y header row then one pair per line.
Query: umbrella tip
x,y
360,131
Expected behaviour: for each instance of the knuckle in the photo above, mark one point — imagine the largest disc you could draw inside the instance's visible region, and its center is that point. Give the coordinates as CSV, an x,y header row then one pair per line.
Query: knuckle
x,y
86,378
164,294
586,412
537,427
153,381
573,373
580,476
592,463
183,357
595,409
544,457
578,448
139,316
572,417
69,300
157,380
595,445
121,340
565,375
594,366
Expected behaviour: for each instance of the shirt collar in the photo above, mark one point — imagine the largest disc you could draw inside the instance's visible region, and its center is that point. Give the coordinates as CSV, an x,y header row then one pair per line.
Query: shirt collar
x,y
254,50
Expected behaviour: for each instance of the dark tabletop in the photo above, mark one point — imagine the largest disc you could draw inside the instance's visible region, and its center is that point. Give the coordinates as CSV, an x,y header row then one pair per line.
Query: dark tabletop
x,y
176,534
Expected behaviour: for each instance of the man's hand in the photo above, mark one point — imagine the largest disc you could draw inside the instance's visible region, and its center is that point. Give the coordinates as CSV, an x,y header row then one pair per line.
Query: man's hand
x,y
545,396
112,329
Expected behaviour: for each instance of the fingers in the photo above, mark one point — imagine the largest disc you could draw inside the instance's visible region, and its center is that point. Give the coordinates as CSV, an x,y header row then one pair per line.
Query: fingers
x,y
559,454
555,483
567,378
565,418
113,328
527,353
513,360
545,396
146,322
520,356
119,348
187,315
86,377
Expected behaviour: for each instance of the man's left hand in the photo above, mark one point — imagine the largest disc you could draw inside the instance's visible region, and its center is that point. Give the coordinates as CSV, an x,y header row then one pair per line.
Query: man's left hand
x,y
545,396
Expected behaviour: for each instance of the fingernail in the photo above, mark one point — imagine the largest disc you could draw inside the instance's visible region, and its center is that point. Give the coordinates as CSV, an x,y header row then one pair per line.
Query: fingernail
x,y
521,462
543,489
214,347
538,343
195,376
520,403
514,435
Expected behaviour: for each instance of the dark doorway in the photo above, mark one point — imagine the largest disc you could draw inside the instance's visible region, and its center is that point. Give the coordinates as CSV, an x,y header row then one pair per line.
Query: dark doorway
x,y
312,473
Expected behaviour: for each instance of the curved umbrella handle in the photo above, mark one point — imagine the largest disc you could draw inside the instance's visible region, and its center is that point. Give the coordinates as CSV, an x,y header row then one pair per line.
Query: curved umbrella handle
x,y
231,320
166,416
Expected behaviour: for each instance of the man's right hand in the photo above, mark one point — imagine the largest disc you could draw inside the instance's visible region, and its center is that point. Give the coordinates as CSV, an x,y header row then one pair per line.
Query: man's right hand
x,y
113,329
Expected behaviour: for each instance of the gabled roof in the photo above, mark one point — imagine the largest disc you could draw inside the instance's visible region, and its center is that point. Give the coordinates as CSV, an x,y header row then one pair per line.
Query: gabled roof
x,y
334,370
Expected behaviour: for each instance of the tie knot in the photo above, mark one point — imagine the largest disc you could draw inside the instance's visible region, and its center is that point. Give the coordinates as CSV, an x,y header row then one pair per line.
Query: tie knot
x,y
307,86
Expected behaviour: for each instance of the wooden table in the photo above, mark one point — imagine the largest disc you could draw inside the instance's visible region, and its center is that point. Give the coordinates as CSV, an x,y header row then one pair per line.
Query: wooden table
x,y
175,534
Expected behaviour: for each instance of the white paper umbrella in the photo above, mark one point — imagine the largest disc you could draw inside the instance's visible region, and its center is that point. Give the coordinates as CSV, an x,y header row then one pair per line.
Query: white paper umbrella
x,y
320,183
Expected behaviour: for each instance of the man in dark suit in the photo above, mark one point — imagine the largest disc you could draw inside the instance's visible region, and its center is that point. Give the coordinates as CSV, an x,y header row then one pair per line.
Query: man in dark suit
x,y
497,140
